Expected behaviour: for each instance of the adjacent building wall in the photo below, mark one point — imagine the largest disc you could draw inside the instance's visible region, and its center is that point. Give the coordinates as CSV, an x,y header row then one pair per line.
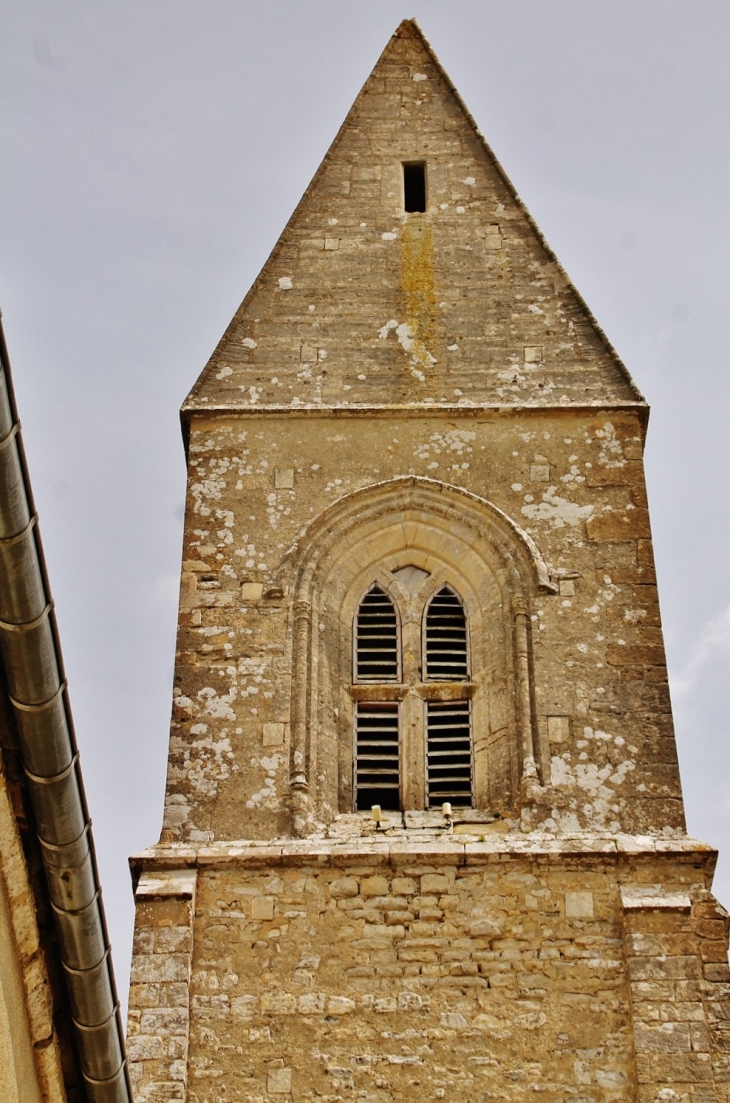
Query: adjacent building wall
x,y
18,1078
30,1057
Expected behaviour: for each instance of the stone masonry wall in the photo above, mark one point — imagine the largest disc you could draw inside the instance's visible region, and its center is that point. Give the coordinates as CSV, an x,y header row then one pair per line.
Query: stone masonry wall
x,y
423,982
677,961
395,967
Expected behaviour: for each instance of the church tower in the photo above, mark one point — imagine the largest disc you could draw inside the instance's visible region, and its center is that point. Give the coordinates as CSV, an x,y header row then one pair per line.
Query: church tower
x,y
424,835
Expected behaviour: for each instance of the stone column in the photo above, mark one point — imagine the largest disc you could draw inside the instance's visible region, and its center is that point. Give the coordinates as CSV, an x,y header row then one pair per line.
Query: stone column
x,y
521,614
158,1029
298,779
300,667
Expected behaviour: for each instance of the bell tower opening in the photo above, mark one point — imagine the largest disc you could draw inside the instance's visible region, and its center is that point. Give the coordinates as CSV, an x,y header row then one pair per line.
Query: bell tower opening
x,y
414,187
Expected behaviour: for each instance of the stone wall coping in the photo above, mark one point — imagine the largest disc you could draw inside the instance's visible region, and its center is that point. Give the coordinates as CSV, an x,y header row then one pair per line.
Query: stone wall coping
x,y
167,882
393,850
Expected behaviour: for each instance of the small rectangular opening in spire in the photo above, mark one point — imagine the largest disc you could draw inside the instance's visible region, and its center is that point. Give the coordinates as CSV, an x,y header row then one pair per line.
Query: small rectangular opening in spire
x,y
414,187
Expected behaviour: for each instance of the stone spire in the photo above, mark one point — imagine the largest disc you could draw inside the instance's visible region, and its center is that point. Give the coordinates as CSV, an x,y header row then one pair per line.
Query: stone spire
x,y
365,303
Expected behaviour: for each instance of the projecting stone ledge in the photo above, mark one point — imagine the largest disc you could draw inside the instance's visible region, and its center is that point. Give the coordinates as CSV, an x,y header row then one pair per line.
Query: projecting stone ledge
x,y
397,846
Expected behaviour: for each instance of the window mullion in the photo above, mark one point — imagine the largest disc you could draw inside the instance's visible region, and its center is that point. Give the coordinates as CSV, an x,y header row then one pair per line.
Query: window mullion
x,y
412,753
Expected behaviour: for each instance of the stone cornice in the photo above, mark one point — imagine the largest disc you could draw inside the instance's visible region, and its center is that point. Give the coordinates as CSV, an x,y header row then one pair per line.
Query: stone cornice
x,y
475,849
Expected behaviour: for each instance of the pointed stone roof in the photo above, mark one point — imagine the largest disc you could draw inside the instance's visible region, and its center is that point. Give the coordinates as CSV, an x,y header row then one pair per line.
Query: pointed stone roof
x,y
364,305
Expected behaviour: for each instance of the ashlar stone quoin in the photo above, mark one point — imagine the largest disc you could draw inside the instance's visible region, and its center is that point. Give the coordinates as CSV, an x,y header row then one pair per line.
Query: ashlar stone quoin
x,y
417,575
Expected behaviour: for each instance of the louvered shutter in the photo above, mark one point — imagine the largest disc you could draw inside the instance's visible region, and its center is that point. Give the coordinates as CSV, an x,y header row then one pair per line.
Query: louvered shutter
x,y
377,723
446,649
448,753
376,638
377,755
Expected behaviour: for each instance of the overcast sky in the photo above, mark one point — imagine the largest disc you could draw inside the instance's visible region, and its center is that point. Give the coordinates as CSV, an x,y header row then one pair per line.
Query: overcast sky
x,y
151,155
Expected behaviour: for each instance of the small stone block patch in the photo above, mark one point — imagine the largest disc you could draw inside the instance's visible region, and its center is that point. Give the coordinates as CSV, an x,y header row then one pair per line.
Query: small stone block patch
x,y
493,238
558,729
579,905
251,591
284,479
262,907
278,1081
273,734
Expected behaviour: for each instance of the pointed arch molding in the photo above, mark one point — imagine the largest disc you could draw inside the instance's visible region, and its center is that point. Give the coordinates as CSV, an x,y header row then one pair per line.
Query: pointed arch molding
x,y
407,494
458,537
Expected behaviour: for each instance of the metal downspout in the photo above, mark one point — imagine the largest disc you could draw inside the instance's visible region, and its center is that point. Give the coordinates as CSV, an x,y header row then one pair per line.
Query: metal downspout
x,y
31,654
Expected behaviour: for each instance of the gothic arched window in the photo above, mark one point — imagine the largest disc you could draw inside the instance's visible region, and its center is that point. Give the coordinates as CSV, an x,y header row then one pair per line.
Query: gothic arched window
x,y
449,774
411,654
411,716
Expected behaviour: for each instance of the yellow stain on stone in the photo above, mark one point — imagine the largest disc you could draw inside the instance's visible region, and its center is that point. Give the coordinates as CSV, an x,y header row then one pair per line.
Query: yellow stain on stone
x,y
419,290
